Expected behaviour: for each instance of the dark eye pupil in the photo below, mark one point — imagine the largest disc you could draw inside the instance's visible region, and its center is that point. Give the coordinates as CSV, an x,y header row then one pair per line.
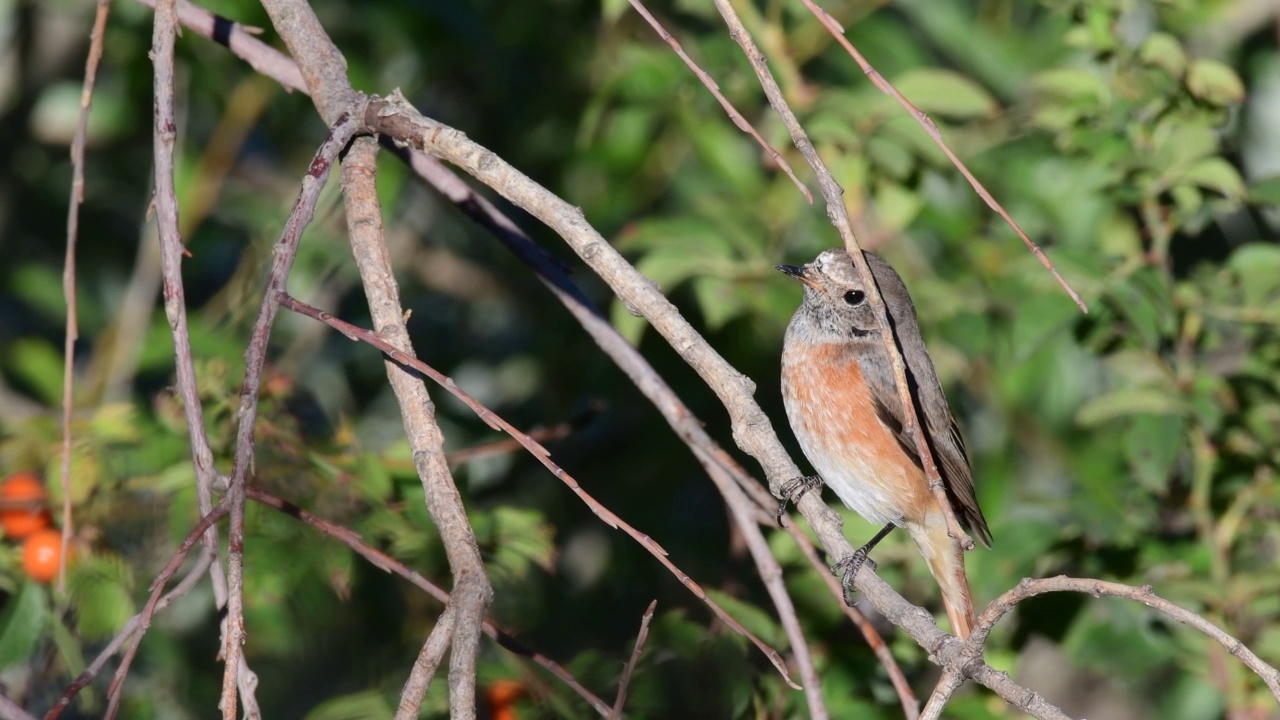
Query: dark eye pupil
x,y
855,297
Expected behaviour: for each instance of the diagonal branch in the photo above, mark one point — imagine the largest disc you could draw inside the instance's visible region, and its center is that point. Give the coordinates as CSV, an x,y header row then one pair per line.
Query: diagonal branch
x,y
424,668
739,121
616,712
116,691
935,134
543,456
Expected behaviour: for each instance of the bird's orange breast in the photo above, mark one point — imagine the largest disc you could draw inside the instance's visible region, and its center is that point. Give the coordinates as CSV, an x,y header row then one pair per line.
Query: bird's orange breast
x,y
833,415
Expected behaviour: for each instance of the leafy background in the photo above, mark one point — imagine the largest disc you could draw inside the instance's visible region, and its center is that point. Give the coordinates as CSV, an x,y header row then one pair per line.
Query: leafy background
x,y
1137,141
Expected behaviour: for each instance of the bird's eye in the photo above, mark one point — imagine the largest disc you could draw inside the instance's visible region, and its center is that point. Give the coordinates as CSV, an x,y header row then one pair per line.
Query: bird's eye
x,y
855,297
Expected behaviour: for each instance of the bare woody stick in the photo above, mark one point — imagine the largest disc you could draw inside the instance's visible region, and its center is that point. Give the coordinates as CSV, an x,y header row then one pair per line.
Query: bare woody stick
x,y
472,592
424,667
69,270
616,712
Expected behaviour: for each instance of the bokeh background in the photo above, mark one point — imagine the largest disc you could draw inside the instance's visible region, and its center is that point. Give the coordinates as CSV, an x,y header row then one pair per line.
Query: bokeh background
x,y
1138,141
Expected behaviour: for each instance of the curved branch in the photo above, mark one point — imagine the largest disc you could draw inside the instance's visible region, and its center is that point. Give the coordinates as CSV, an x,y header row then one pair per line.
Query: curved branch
x,y
1029,588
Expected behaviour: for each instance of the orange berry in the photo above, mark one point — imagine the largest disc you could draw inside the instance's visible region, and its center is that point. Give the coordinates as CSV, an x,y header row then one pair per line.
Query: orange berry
x,y
42,555
24,490
502,694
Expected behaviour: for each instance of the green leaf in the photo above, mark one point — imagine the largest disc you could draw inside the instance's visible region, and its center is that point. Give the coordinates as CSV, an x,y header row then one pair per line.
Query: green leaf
x,y
719,300
1258,266
68,647
39,365
1186,141
101,586
1217,174
1153,444
946,93
1074,84
367,705
117,422
22,624
1165,52
1265,191
1214,82
760,622
896,206
1128,401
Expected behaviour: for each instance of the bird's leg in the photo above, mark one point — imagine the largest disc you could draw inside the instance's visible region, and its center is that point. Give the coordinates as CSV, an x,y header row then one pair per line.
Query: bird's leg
x,y
851,565
792,490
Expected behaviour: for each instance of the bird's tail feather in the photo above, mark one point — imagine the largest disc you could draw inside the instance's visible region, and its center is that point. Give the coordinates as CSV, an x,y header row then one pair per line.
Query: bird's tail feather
x,y
946,564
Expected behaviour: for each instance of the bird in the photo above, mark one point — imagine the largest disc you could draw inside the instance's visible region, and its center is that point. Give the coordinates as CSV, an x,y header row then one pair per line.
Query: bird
x,y
843,405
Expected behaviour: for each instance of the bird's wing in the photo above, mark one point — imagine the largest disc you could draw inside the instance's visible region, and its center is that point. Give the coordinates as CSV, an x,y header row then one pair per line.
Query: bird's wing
x,y
944,439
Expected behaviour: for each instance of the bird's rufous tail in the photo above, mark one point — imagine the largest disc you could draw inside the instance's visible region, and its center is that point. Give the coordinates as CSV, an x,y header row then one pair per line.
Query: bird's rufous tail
x,y
946,564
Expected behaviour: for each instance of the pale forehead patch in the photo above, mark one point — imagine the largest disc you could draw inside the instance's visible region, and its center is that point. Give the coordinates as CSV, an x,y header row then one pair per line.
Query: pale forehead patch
x,y
836,264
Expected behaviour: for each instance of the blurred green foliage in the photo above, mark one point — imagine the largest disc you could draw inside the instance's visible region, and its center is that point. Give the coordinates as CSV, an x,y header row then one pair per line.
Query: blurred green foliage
x,y
1135,140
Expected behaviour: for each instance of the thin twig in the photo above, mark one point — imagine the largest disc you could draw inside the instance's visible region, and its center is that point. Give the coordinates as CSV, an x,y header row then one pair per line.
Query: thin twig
x,y
193,576
283,254
542,455
69,270
116,690
712,86
625,680
385,562
839,216
931,129
171,251
507,445
424,668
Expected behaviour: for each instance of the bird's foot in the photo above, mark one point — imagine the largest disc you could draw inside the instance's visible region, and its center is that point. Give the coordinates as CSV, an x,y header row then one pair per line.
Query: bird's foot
x,y
793,490
847,569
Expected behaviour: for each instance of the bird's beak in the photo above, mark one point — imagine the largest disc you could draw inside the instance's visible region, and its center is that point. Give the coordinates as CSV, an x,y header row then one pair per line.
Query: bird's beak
x,y
799,272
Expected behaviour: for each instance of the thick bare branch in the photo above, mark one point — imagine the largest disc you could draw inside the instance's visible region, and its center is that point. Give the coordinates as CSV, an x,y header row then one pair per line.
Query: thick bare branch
x,y
471,589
